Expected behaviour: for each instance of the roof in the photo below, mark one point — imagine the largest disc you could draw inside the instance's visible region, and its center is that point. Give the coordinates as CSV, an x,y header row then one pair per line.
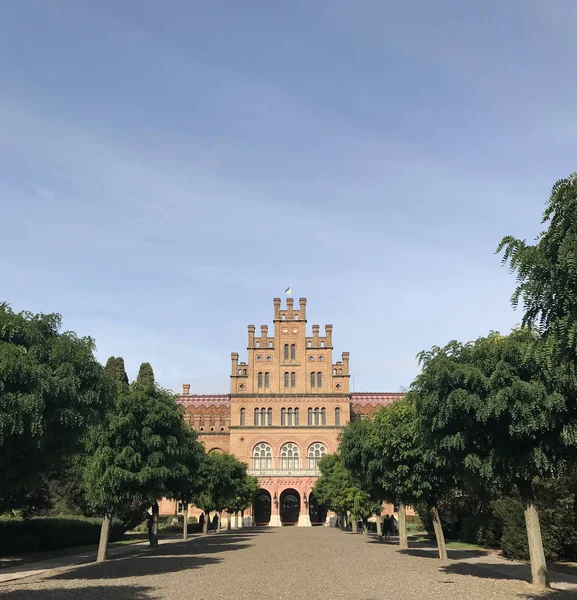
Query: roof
x,y
207,400
366,403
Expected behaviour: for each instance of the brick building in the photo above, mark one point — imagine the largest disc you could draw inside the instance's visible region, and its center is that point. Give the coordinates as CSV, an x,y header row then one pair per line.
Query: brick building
x,y
286,406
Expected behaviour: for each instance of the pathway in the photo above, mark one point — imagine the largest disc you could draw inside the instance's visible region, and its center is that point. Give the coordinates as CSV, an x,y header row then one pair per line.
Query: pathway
x,y
285,563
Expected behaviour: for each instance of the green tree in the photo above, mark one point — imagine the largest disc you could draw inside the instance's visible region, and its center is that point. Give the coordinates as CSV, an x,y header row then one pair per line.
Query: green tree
x,y
136,454
392,459
145,374
487,406
224,477
115,368
52,389
189,481
245,494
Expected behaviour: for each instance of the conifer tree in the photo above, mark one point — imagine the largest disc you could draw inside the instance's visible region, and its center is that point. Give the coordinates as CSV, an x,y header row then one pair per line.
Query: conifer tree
x,y
145,374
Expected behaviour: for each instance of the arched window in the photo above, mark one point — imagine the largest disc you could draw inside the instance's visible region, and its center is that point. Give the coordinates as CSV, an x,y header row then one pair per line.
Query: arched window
x,y
293,351
309,344
283,416
260,379
313,379
289,456
244,372
293,379
270,417
240,371
322,344
283,317
286,379
296,417
337,416
267,379
290,417
263,417
319,379
316,416
262,456
310,421
286,351
270,344
256,414
296,317
315,453
257,344
323,417
242,416
334,371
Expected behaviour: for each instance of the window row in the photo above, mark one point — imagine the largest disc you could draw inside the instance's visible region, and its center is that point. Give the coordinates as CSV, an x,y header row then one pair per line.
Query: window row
x,y
289,417
293,351
289,456
266,379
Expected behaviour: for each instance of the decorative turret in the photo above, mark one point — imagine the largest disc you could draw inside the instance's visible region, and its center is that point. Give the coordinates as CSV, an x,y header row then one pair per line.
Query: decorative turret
x,y
251,329
234,359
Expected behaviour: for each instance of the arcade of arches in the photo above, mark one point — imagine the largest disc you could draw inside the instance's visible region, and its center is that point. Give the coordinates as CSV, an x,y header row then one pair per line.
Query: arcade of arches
x,y
286,406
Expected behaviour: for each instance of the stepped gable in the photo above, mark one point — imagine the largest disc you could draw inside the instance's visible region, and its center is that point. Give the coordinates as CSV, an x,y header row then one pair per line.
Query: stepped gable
x,y
363,404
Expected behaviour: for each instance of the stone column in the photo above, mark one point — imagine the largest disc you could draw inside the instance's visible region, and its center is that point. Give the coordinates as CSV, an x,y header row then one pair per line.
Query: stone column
x,y
304,518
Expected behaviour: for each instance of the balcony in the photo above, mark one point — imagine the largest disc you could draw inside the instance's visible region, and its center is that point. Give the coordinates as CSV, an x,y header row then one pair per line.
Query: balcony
x,y
284,472
291,466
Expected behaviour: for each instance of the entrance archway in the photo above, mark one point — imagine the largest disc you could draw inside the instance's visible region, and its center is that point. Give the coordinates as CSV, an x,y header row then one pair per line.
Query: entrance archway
x,y
261,508
317,513
290,503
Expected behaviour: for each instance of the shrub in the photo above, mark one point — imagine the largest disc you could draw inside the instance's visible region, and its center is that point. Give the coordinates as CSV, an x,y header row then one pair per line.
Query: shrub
x,y
22,536
483,530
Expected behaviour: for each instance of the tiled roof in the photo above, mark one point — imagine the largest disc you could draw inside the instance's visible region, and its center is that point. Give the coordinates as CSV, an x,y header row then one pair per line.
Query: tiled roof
x,y
364,404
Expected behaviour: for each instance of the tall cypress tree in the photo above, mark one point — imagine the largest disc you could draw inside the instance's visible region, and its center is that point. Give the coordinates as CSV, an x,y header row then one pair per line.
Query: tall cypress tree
x,y
145,374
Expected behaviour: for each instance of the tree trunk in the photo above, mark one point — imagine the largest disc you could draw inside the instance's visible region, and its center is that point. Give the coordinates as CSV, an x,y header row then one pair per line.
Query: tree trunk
x,y
205,524
228,521
439,535
185,522
403,540
365,527
218,520
539,573
242,518
154,532
379,528
104,535
354,527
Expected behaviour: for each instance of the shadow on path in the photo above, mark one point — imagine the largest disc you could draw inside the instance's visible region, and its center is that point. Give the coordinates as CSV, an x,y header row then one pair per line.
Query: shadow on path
x,y
116,592
167,558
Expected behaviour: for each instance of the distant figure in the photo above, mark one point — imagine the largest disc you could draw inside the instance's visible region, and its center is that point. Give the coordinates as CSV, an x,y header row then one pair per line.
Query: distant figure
x,y
387,528
149,524
201,521
215,521
394,527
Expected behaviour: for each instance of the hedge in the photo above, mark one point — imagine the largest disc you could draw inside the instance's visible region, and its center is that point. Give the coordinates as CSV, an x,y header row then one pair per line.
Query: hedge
x,y
24,536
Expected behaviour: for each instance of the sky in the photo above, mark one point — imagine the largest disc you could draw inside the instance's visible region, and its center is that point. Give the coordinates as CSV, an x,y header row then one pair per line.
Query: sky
x,y
168,168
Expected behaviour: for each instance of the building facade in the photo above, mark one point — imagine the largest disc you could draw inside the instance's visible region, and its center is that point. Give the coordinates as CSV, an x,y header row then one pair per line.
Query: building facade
x,y
287,405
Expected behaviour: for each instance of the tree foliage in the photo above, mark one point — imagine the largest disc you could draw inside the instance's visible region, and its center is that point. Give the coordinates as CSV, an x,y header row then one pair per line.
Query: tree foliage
x,y
145,374
51,390
489,406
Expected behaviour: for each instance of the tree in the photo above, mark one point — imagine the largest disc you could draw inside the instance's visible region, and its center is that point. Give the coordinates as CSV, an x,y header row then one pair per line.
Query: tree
x,y
115,368
488,406
189,481
224,478
337,489
390,456
52,389
136,454
244,496
145,374
547,287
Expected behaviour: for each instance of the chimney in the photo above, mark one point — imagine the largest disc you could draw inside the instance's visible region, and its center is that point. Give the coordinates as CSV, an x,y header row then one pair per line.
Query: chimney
x,y
251,336
186,389
276,303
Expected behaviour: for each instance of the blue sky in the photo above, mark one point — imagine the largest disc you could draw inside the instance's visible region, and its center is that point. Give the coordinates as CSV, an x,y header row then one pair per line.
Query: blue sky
x,y
167,168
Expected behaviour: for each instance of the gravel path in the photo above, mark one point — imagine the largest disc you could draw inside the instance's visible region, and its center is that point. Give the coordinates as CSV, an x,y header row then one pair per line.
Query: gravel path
x,y
276,563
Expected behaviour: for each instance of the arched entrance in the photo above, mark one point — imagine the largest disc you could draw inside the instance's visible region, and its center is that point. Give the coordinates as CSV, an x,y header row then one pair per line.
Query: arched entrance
x,y
317,513
290,503
261,508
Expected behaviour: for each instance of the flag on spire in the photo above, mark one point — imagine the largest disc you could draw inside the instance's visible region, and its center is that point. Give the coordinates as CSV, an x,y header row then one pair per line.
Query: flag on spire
x,y
288,291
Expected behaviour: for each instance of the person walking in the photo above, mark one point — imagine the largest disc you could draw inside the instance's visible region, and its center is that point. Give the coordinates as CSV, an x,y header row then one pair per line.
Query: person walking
x,y
387,528
215,522
394,526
